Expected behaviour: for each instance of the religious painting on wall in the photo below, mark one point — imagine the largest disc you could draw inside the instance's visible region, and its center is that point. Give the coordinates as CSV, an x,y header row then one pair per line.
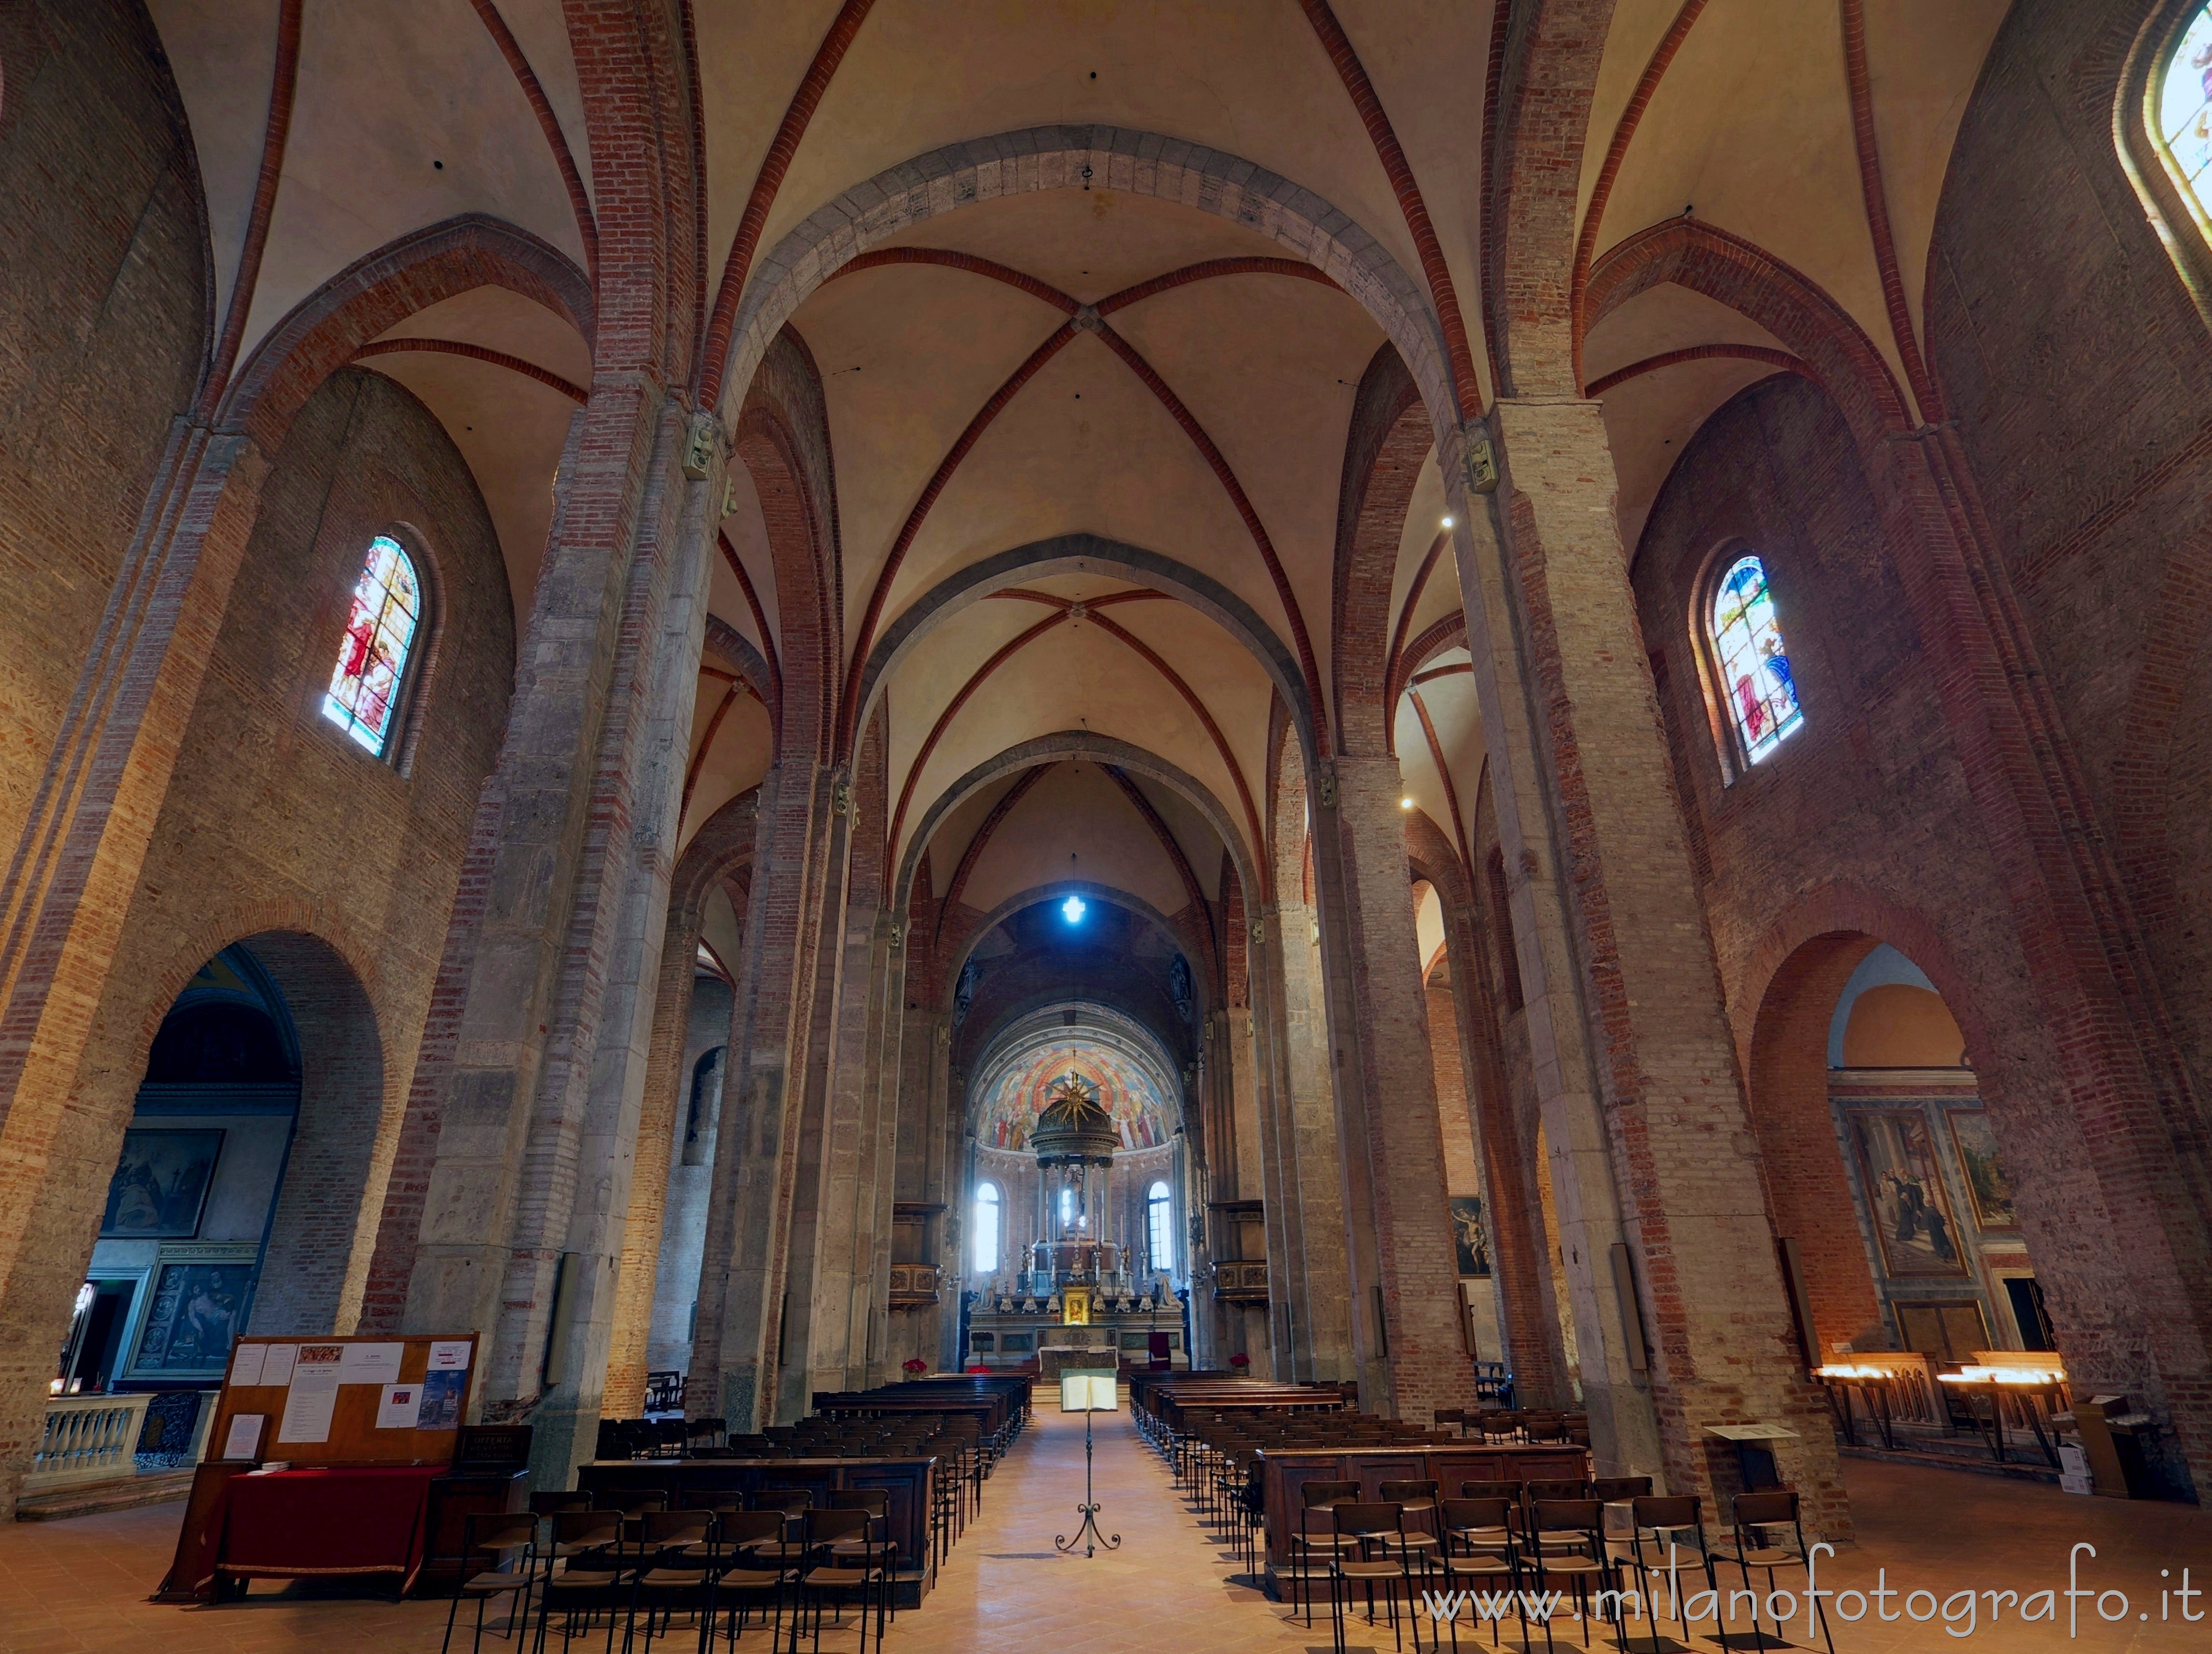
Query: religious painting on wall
x,y
1913,1221
1987,1186
161,1184
198,1305
1469,1240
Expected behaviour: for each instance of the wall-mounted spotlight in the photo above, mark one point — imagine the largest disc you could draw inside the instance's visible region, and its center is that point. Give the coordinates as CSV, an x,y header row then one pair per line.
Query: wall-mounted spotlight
x,y
1405,804
1072,909
1448,522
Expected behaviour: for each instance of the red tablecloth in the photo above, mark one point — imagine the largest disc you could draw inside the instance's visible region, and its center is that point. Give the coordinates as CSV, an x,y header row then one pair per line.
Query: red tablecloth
x,y
294,1524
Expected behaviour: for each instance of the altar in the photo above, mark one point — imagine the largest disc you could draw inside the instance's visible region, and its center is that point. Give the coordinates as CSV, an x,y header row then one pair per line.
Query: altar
x,y
1078,1295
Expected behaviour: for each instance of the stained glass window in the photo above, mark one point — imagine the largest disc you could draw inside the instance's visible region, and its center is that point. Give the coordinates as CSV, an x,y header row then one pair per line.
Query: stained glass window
x,y
387,607
1753,664
1159,1225
2183,105
987,1228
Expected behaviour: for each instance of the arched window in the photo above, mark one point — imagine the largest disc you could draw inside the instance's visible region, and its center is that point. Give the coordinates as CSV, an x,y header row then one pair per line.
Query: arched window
x,y
1159,1225
2181,111
371,673
987,1228
1750,661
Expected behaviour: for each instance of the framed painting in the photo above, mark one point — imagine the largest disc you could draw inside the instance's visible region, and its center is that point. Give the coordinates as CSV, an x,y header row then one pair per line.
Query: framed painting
x,y
198,1305
1987,1186
1469,1240
1913,1221
161,1184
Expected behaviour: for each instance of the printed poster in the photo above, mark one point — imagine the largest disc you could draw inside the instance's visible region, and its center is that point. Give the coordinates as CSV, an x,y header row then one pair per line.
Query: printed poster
x,y
370,1363
399,1407
314,1394
441,1400
276,1365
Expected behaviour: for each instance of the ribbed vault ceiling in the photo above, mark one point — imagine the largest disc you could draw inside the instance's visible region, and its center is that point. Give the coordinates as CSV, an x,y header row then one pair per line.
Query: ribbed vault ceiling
x,y
1203,422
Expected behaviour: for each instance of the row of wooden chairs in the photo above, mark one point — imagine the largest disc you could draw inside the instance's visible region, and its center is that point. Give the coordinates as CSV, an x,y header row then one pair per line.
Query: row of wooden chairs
x,y
1490,1550
1517,1424
715,1564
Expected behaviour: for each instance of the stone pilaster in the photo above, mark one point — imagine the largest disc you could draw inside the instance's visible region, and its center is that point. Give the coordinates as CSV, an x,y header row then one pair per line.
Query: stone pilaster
x,y
1636,1066
1397,1214
69,886
741,1279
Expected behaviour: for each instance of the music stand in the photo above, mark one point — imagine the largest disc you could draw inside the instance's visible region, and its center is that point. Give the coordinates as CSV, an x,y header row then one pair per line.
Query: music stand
x,y
1086,1392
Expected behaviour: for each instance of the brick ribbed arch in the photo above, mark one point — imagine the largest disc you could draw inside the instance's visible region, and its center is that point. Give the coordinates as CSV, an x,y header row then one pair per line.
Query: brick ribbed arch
x,y
1096,749
1090,319
1092,554
1788,303
380,290
1136,163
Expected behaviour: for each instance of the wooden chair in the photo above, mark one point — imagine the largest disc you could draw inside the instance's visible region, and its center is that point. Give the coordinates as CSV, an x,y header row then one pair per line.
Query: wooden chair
x,y
511,1537
1654,1552
877,1502
754,1570
1415,1499
1306,1546
1757,1540
1480,1560
867,1576
1369,1528
1567,1544
682,1584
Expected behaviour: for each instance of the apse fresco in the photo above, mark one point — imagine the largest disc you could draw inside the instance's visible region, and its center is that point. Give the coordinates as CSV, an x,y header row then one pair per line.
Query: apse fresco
x,y
1005,1117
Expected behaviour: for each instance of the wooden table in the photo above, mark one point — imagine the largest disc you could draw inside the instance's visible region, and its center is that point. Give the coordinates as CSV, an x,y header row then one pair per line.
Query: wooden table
x,y
907,1482
1285,1471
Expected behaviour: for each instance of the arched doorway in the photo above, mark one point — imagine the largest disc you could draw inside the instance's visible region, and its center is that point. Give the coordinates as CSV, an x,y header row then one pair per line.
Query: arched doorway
x,y
248,1175
1884,1182
184,1228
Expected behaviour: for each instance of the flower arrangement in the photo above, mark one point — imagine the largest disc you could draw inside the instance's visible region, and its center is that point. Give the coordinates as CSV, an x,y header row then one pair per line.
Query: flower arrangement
x,y
1240,1360
913,1366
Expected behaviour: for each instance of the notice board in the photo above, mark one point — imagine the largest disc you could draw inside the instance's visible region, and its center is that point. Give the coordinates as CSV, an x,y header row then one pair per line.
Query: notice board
x,y
329,1402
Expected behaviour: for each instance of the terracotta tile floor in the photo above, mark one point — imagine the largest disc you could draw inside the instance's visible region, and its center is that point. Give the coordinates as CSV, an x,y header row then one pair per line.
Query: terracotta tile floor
x,y
81,1585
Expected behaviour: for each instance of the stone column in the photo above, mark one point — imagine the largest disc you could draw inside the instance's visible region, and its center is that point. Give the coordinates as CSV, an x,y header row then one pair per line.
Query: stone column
x,y
741,1277
1311,1188
530,1094
1636,1066
667,1089
1405,1317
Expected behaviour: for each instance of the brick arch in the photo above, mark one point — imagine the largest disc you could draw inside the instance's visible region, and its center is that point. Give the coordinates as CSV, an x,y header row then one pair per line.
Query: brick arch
x,y
1102,749
1840,907
1533,171
782,439
1789,304
752,667
1040,158
1809,1195
1781,1003
1095,554
382,289
321,1233
1383,453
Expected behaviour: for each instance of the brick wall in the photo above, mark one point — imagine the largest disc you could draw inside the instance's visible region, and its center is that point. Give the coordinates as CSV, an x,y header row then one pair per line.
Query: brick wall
x,y
103,311
339,868
2081,375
